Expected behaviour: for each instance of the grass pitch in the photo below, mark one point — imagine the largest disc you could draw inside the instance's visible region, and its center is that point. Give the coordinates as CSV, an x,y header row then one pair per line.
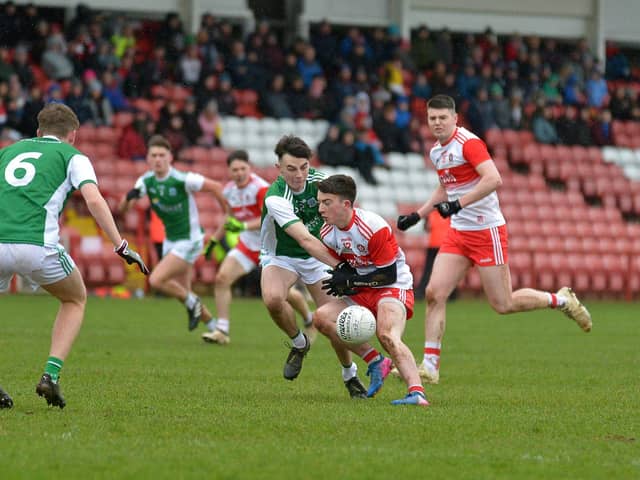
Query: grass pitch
x,y
524,396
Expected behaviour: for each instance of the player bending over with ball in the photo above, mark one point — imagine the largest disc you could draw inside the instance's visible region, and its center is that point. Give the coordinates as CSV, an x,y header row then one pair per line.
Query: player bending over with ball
x,y
289,235
376,276
171,194
478,234
38,175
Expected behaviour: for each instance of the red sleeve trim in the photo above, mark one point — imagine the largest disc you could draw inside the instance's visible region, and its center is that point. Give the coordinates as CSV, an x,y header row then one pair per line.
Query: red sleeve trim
x,y
475,152
383,248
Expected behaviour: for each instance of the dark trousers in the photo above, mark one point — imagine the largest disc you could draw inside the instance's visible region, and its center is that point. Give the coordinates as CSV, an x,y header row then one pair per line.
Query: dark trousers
x,y
430,258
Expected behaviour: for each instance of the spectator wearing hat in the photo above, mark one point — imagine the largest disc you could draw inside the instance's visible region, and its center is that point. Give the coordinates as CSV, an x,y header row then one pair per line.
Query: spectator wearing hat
x,y
273,101
190,120
209,122
101,111
77,101
55,62
22,67
226,102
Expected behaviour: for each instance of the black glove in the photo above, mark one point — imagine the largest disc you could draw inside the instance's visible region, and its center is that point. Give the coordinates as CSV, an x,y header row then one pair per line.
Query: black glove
x,y
131,257
339,284
208,248
407,221
446,209
133,193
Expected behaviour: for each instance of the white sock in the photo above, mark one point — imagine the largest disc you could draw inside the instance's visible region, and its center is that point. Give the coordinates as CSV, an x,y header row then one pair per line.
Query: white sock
x,y
223,325
349,372
191,300
211,325
299,340
309,320
431,357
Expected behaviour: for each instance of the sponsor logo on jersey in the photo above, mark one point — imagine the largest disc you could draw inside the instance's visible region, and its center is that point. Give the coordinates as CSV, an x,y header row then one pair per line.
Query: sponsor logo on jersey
x,y
361,248
446,177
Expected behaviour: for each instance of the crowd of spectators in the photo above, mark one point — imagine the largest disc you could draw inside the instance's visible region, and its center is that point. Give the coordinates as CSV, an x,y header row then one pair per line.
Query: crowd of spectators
x,y
371,84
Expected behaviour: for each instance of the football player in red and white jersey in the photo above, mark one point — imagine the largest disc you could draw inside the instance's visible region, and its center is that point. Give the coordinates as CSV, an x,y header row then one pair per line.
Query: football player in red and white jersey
x,y
245,195
378,277
478,234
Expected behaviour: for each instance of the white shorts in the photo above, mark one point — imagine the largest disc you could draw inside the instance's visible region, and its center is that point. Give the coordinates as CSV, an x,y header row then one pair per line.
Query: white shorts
x,y
245,262
187,250
309,270
37,265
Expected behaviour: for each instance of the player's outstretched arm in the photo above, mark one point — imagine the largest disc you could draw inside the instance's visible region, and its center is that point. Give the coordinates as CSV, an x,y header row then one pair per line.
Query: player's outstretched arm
x,y
215,187
100,211
311,244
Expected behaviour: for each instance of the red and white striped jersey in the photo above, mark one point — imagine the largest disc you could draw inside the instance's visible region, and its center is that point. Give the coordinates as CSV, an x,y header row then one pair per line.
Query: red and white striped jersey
x,y
368,243
456,163
246,204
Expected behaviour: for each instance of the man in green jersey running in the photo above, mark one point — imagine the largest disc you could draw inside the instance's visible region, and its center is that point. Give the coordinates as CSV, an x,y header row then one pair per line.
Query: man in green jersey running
x,y
37,176
291,250
171,194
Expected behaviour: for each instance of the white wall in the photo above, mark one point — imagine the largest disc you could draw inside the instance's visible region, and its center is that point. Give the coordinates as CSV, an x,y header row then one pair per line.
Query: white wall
x,y
565,18
620,20
355,12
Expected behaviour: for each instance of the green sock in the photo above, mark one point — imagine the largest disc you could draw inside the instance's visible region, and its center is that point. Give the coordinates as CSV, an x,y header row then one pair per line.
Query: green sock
x,y
53,368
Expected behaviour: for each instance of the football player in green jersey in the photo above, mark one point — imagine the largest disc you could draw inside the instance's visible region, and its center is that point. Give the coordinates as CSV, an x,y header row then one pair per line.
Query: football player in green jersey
x,y
171,194
291,250
38,175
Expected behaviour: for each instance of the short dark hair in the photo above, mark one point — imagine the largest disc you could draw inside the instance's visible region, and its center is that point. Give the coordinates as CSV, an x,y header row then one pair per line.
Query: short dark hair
x,y
238,155
442,101
57,119
294,146
159,141
341,185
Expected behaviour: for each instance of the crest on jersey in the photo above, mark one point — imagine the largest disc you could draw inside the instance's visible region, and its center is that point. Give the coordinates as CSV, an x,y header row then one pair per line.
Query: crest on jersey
x,y
172,191
361,248
312,202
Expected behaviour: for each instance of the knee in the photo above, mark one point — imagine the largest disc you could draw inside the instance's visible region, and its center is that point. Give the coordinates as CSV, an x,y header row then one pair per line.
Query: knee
x,y
81,300
322,321
155,281
502,307
435,295
274,301
223,280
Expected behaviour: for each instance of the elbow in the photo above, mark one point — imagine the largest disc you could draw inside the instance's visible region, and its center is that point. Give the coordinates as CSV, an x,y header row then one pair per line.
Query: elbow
x,y
498,182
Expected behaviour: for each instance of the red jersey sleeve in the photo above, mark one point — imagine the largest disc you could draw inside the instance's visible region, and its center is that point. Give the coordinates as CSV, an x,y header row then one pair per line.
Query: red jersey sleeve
x,y
475,152
383,247
260,197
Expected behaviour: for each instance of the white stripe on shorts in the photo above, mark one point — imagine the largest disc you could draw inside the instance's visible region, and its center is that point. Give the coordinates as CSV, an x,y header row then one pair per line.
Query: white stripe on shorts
x,y
497,247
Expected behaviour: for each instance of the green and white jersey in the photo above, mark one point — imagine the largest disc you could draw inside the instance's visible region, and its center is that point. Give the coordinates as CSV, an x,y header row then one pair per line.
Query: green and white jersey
x,y
284,207
172,200
37,176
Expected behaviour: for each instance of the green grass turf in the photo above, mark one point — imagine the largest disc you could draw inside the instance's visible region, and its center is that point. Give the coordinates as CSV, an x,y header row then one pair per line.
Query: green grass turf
x,y
525,396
